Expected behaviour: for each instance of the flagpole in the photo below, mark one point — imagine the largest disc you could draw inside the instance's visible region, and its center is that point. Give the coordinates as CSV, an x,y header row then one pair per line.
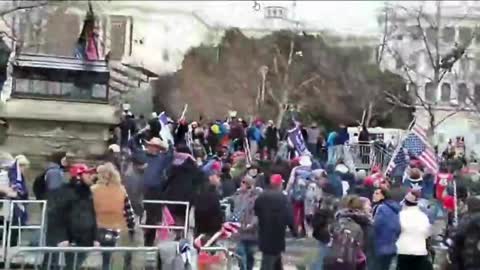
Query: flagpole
x,y
400,143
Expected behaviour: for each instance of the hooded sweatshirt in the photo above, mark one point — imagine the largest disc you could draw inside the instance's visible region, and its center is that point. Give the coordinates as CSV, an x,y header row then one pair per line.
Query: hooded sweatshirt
x,y
386,225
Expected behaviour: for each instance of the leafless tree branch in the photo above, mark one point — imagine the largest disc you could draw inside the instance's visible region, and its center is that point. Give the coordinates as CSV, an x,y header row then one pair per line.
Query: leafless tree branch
x,y
36,4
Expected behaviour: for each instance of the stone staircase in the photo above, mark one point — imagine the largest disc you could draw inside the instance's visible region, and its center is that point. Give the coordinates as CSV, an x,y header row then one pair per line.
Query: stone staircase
x,y
125,79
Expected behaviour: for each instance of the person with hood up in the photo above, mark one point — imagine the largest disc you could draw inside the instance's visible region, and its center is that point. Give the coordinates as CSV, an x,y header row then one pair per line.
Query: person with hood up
x,y
415,229
159,156
243,212
71,218
274,213
54,176
386,227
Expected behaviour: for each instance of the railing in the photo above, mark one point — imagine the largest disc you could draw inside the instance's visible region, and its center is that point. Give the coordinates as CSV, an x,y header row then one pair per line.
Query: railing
x,y
367,155
175,227
75,257
14,232
228,259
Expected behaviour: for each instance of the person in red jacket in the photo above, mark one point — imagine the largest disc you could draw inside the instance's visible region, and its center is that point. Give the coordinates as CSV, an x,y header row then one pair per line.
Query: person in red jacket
x,y
443,180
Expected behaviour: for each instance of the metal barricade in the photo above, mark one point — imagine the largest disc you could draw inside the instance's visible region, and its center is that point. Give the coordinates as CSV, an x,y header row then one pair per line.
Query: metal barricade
x,y
74,257
208,263
367,155
173,227
4,214
16,232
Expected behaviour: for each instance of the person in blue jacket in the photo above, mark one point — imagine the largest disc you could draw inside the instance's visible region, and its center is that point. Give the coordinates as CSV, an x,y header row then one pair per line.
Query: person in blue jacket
x,y
331,147
386,226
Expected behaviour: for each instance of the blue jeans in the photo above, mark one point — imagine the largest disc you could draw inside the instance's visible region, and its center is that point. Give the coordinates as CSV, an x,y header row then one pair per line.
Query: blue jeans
x,y
383,262
246,250
331,155
322,252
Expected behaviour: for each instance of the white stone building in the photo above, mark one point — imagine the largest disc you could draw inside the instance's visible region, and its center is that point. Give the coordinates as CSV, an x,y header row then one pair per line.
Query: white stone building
x,y
452,101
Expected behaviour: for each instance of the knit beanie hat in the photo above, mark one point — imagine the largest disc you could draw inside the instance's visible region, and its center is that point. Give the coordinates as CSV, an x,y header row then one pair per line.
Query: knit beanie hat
x,y
412,197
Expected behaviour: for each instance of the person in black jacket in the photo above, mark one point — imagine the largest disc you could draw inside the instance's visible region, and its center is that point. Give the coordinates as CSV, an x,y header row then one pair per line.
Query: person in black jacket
x,y
274,214
71,216
208,212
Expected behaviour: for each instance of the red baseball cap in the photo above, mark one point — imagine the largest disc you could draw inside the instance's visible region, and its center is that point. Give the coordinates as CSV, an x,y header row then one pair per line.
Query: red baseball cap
x,y
79,169
276,180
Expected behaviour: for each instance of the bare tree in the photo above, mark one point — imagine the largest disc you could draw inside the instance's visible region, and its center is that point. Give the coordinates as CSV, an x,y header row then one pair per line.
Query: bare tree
x,y
281,83
427,30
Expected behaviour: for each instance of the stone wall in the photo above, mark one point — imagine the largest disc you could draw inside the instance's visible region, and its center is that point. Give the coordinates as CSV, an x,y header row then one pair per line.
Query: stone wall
x,y
41,127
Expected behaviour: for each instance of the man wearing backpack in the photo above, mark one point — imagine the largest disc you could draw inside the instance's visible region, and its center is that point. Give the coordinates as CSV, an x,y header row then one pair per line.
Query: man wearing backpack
x,y
53,176
297,186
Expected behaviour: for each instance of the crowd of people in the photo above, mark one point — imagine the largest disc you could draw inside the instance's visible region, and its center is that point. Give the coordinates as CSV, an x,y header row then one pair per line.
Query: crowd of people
x,y
360,220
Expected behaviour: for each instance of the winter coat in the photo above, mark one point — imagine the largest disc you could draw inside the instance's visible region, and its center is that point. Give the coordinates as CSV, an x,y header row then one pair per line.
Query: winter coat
x,y
155,174
274,213
183,182
208,212
415,229
464,252
271,137
71,215
54,176
386,225
243,208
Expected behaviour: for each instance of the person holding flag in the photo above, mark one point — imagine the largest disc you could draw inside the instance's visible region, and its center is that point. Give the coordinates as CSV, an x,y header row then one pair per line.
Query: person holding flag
x,y
87,43
414,146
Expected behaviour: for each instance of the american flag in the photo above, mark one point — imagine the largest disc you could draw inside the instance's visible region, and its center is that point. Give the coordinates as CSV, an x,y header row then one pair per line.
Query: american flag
x,y
165,132
230,228
416,145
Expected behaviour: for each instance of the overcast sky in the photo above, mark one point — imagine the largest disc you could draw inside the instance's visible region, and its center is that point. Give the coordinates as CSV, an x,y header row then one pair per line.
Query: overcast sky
x,y
352,17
